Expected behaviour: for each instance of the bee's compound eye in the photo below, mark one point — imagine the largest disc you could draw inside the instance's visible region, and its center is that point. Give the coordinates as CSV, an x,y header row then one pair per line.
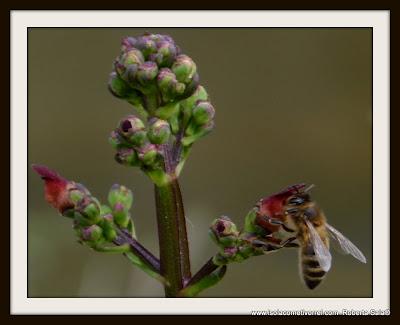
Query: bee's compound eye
x,y
296,201
310,213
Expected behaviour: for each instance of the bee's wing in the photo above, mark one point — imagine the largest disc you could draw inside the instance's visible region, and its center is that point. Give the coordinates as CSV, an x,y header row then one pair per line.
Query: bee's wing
x,y
321,251
345,244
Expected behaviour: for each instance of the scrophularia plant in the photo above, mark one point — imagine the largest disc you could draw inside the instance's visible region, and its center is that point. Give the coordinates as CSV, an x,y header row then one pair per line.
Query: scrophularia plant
x,y
172,112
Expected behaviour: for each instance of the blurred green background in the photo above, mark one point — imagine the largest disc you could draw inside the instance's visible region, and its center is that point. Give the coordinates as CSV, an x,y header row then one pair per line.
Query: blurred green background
x,y
293,105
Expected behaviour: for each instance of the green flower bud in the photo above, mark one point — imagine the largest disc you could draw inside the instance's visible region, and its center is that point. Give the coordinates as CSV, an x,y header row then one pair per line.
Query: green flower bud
x,y
166,53
224,232
107,224
116,140
69,213
92,233
133,129
159,131
184,68
168,85
120,194
92,211
192,86
129,74
89,208
127,157
118,87
76,195
121,215
148,154
230,252
104,210
133,56
147,72
146,45
199,94
203,113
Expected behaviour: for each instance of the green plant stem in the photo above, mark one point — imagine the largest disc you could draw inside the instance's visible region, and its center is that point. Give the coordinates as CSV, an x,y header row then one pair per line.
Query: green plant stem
x,y
141,252
173,242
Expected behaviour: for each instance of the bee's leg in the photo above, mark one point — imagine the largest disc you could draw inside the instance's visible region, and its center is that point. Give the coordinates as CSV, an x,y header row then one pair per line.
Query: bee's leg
x,y
288,243
280,223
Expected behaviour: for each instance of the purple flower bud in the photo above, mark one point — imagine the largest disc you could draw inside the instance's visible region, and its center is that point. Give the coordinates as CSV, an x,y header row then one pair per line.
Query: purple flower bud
x,y
128,43
146,72
127,157
116,140
108,217
168,85
148,154
147,45
133,56
92,233
132,129
230,251
224,232
120,195
166,53
159,131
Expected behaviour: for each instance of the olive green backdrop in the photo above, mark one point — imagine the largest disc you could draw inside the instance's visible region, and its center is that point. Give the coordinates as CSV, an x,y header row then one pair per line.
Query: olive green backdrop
x,y
292,105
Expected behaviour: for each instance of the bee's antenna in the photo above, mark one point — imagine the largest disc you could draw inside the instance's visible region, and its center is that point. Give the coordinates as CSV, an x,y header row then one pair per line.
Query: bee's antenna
x,y
308,188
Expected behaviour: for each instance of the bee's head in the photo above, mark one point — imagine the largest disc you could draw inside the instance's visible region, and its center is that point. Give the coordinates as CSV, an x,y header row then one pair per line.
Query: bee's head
x,y
298,199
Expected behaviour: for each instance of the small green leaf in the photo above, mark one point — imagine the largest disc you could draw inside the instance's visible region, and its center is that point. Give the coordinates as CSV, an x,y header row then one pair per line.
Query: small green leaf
x,y
205,283
137,262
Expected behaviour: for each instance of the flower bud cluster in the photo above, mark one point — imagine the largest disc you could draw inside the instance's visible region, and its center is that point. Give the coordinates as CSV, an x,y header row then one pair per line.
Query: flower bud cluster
x,y
233,246
151,71
140,145
94,224
163,85
256,238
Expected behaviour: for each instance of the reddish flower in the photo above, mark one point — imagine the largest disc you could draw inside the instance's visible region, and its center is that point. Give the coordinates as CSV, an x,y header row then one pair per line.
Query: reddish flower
x,y
56,188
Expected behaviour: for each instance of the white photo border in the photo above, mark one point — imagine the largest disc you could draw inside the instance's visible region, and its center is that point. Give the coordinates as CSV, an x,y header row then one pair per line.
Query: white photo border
x,y
22,20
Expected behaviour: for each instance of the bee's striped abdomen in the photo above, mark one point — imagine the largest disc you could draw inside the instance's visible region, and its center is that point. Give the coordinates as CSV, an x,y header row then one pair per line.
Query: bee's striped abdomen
x,y
310,269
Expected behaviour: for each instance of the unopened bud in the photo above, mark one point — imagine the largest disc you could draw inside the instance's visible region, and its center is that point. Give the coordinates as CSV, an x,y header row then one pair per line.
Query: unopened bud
x,y
146,72
120,194
148,154
127,157
191,87
89,208
224,232
76,195
159,131
146,45
133,56
184,68
128,43
116,140
203,113
199,94
92,211
132,128
121,215
169,86
118,87
166,53
92,233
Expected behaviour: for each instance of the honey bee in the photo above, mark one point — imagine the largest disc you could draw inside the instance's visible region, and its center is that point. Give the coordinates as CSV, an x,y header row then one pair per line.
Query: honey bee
x,y
295,212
